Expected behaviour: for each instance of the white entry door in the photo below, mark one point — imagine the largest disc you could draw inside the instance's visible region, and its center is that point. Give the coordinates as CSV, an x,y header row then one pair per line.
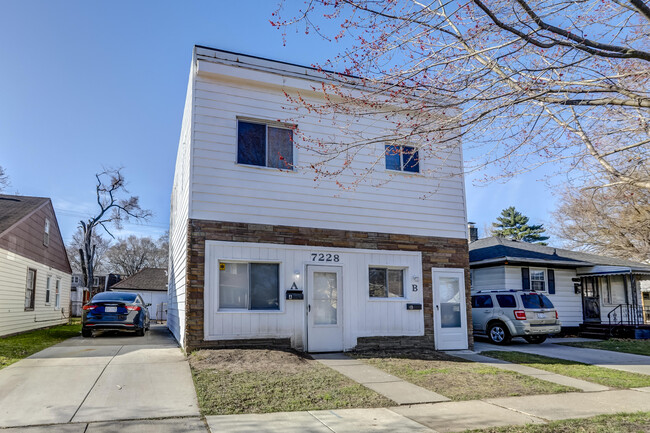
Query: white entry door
x,y
324,327
449,309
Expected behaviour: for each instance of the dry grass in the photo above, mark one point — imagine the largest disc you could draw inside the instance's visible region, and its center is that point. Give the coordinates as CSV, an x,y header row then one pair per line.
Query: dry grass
x,y
456,378
234,381
617,423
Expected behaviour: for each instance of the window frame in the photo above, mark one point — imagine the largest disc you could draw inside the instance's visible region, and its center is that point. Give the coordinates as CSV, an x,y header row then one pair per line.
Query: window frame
x,y
48,289
46,233
57,293
248,310
401,159
267,124
388,298
545,280
33,289
95,284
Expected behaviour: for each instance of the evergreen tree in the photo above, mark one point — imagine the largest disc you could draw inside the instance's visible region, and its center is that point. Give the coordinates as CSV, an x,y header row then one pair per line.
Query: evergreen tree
x,y
514,225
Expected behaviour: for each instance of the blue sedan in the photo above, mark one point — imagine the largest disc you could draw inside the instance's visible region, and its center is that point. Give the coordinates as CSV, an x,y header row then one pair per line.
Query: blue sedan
x,y
116,311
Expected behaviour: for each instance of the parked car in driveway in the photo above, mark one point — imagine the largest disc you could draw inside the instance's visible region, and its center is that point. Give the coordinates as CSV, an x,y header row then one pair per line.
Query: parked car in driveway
x,y
117,311
503,314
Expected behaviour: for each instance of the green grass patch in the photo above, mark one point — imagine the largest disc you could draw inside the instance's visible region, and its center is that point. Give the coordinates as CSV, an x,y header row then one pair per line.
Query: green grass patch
x,y
17,347
617,423
259,381
456,378
638,347
591,373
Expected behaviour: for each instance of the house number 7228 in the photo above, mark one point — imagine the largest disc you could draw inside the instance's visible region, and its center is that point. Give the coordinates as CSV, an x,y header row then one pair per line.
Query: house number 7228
x,y
324,257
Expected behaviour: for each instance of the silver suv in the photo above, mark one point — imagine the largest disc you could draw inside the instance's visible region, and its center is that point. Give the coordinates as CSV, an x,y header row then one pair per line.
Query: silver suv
x,y
503,314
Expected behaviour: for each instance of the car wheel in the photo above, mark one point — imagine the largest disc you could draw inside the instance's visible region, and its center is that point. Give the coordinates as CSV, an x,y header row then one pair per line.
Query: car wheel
x,y
499,334
535,339
140,332
86,333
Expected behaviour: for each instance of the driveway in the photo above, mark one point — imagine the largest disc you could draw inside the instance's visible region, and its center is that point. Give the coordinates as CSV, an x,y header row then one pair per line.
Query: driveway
x,y
602,358
106,378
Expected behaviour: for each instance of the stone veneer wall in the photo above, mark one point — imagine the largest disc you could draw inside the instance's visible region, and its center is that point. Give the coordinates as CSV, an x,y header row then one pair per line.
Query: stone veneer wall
x,y
436,252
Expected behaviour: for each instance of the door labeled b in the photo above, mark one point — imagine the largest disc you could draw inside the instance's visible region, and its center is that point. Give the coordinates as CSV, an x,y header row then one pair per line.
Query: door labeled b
x,y
324,327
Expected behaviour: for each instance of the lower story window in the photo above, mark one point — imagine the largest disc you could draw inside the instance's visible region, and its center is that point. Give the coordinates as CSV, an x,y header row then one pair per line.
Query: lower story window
x,y
249,286
537,280
386,283
57,294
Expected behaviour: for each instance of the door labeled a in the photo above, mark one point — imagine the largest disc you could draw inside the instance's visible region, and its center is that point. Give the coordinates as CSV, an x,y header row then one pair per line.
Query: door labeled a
x,y
324,327
449,309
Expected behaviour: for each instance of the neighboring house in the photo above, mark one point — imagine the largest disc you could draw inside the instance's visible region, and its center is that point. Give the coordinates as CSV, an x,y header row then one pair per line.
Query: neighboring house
x,y
34,268
151,284
585,288
79,295
260,253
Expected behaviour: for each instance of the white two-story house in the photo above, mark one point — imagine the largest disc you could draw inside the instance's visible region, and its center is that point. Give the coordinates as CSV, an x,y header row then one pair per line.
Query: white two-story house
x,y
262,254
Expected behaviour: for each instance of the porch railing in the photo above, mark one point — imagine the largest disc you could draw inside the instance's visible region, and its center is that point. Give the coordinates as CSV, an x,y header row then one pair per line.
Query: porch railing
x,y
629,314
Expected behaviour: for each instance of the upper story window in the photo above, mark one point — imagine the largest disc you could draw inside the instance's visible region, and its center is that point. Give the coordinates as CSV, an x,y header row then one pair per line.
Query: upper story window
x,y
402,158
46,235
264,145
538,280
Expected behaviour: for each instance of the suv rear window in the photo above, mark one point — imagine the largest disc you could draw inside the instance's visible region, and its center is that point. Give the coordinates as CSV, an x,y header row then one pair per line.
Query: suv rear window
x,y
536,301
482,301
506,301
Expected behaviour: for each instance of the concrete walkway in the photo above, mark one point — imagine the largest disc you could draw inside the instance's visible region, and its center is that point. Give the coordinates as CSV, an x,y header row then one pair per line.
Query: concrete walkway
x,y
440,417
602,358
559,379
107,378
392,387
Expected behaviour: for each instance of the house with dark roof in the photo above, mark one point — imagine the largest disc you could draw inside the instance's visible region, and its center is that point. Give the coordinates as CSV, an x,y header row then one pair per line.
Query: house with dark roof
x,y
151,284
34,270
587,289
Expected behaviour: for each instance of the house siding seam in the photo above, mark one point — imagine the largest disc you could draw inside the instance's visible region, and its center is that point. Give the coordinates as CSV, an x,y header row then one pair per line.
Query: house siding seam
x,y
437,252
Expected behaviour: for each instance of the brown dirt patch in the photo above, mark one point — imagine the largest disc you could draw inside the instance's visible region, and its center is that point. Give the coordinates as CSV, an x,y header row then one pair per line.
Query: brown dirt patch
x,y
249,360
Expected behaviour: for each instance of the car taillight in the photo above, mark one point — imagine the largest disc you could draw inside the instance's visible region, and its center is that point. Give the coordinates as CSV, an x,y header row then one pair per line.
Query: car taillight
x,y
556,315
520,314
133,308
89,307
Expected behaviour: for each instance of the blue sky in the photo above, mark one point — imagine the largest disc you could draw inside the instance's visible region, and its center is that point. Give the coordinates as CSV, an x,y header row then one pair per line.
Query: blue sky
x,y
92,84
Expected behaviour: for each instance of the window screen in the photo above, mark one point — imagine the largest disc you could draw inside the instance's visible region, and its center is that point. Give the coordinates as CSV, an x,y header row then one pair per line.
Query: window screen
x,y
265,146
249,286
386,283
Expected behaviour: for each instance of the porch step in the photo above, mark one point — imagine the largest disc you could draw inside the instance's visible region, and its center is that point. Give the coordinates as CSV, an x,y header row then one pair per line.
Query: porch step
x,y
595,330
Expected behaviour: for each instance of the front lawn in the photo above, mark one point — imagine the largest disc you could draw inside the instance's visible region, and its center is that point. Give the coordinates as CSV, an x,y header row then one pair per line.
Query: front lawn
x,y
258,381
17,347
617,423
638,347
457,378
591,373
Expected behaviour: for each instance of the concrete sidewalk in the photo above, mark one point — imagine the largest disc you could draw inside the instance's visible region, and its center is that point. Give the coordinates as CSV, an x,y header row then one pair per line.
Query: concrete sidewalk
x,y
602,358
440,417
392,387
582,385
106,378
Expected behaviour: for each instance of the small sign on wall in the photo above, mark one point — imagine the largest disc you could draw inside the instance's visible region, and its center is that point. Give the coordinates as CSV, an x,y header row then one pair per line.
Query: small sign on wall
x,y
222,266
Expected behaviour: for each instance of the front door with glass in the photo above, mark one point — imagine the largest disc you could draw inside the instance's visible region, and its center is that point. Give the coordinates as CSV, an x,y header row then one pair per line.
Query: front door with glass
x,y
324,327
449,309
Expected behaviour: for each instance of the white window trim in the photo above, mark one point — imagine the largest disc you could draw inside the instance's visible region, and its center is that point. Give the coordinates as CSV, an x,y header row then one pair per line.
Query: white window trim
x,y
273,124
46,233
543,270
405,279
401,162
57,294
246,310
48,289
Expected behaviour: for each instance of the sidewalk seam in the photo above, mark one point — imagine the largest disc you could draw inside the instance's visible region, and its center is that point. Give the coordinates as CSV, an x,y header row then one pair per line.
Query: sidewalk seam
x,y
95,383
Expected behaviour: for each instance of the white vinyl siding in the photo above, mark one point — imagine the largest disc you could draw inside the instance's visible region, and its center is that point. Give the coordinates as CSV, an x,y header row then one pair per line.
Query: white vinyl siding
x,y
13,275
362,317
223,190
